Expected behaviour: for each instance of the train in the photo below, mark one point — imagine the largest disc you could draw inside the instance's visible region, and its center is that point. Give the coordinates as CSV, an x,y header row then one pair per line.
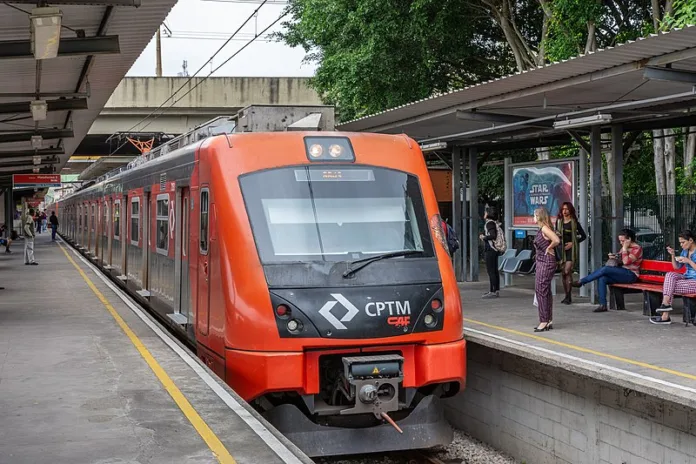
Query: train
x,y
307,269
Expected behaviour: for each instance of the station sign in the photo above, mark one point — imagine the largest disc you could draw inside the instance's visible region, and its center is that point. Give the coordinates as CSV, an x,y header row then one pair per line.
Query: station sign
x,y
35,180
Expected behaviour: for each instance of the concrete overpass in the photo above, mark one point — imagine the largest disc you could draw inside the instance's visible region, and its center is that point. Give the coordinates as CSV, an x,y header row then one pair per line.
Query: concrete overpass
x,y
137,97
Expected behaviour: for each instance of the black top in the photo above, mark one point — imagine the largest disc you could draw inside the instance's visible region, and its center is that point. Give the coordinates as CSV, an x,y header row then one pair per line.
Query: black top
x,y
568,232
491,233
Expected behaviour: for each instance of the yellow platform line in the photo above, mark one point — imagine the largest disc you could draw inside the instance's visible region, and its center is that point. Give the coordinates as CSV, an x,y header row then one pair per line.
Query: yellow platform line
x,y
586,350
221,454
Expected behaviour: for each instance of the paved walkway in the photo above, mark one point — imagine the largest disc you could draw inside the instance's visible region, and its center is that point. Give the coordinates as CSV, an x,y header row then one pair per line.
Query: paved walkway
x,y
618,346
83,379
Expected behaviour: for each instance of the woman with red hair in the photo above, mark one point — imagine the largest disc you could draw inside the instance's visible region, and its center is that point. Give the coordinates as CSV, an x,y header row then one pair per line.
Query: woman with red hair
x,y
572,234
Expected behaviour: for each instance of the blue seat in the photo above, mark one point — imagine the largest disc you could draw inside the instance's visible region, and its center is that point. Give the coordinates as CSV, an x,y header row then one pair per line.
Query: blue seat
x,y
510,253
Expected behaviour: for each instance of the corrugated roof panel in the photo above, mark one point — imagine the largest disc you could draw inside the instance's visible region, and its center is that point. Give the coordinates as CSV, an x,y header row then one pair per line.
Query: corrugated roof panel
x,y
632,51
135,28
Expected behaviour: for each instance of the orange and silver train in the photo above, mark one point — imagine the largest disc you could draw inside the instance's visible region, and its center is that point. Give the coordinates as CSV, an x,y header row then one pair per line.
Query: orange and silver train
x,y
309,270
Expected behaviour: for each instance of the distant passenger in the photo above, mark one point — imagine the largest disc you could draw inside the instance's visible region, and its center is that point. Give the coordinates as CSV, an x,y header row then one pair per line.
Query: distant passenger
x,y
29,236
572,234
684,284
6,238
621,268
490,239
54,225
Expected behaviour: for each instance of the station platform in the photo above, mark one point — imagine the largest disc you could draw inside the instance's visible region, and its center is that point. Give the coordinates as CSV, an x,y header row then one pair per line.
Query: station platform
x,y
618,347
87,377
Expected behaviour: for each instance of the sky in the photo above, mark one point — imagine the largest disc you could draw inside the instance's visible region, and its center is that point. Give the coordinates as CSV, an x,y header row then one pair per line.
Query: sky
x,y
199,27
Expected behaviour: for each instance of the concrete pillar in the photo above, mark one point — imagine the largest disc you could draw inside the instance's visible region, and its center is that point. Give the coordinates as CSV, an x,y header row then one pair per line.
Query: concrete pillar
x,y
9,211
457,210
596,205
583,216
474,215
617,206
507,218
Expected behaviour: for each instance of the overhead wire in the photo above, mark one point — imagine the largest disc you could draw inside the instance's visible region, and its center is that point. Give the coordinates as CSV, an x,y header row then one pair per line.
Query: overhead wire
x,y
249,18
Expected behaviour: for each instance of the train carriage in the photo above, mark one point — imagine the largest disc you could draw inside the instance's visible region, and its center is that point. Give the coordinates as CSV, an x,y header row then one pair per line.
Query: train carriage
x,y
309,270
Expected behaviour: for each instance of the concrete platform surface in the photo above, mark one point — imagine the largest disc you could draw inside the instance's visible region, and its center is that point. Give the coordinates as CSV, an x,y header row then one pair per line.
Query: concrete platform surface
x,y
75,389
620,347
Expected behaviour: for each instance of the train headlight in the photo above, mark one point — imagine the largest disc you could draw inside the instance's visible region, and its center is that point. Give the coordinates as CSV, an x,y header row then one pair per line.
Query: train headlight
x,y
329,149
315,150
294,326
430,320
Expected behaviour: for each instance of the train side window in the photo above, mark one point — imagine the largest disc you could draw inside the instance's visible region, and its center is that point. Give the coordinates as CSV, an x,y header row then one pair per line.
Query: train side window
x,y
117,219
163,223
204,222
135,221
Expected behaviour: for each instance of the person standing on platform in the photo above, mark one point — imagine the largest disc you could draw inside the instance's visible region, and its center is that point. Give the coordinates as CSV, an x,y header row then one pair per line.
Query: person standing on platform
x,y
54,225
490,238
545,243
29,236
568,227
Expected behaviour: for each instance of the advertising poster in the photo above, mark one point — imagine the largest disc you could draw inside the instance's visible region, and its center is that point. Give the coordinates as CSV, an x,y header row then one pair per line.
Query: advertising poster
x,y
548,185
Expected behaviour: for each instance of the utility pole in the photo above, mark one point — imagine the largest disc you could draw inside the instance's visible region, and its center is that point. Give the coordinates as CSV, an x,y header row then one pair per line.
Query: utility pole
x,y
158,71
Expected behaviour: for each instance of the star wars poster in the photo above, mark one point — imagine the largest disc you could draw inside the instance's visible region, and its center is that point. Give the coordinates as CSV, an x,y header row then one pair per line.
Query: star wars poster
x,y
548,185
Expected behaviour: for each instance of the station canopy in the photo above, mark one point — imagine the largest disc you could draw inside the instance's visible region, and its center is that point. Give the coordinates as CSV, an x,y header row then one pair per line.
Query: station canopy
x,y
50,97
641,85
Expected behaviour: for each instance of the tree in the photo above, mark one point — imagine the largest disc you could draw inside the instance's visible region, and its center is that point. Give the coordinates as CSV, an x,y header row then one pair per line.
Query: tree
x,y
378,54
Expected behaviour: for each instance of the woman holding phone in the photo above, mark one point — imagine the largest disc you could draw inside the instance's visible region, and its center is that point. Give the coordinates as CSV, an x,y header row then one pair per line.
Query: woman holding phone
x,y
621,268
545,243
684,284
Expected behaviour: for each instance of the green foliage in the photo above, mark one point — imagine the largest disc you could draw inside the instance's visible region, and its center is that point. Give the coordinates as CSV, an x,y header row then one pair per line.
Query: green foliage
x,y
683,14
378,54
568,26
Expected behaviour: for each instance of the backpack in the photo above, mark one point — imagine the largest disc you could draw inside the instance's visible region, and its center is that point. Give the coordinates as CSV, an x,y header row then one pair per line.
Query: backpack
x,y
499,244
452,242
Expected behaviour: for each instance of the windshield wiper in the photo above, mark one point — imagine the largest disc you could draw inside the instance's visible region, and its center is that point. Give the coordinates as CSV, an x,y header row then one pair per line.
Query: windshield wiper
x,y
365,261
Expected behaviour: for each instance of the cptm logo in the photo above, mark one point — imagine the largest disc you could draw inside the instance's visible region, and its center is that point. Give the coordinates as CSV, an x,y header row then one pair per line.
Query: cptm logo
x,y
399,313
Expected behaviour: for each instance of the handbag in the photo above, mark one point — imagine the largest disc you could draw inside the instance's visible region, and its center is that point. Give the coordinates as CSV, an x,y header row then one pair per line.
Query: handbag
x,y
613,262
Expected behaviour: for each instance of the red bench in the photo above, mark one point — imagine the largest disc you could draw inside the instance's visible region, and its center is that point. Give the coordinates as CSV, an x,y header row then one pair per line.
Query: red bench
x,y
650,282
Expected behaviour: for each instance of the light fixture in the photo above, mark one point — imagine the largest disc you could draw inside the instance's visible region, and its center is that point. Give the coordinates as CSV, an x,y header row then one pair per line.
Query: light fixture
x,y
38,110
582,122
433,146
37,160
36,142
45,32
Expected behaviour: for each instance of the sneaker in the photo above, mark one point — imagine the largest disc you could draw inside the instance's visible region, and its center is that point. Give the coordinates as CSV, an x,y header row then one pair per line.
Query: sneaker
x,y
658,320
600,309
664,308
490,295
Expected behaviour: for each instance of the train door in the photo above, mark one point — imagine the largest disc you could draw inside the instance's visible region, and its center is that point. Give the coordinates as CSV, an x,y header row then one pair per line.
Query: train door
x,y
182,286
203,303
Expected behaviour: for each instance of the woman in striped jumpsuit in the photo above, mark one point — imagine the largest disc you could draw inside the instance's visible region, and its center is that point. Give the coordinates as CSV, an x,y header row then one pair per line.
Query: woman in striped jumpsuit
x,y
675,282
544,243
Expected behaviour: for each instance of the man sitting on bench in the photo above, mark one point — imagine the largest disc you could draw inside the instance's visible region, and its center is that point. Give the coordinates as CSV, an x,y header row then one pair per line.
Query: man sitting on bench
x,y
683,284
621,268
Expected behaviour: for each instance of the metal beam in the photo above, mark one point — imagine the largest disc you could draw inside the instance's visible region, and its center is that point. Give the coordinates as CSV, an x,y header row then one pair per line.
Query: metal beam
x,y
668,74
9,161
42,152
69,94
494,118
583,216
22,168
47,134
578,138
53,105
73,46
133,3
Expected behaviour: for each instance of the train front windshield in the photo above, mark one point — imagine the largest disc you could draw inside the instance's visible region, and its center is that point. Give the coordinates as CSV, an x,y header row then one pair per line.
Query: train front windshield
x,y
331,213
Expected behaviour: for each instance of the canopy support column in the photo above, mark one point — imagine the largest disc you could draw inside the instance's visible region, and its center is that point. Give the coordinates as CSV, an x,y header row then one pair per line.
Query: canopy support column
x,y
617,206
596,208
473,215
583,216
507,220
457,216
